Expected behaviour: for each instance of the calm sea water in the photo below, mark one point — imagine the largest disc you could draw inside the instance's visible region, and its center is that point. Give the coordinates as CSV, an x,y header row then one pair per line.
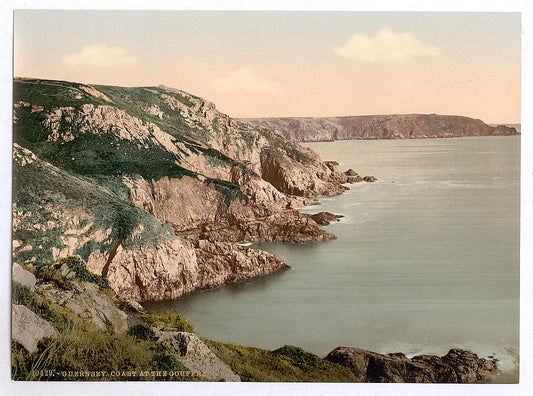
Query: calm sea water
x,y
426,259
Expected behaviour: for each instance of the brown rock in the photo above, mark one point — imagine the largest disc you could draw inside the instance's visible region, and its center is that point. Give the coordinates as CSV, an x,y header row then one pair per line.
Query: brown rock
x,y
391,126
458,365
369,179
350,172
325,218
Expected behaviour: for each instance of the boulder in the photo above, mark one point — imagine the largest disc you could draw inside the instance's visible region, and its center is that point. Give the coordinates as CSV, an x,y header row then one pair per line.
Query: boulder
x,y
325,218
196,356
457,366
370,179
350,172
28,329
23,276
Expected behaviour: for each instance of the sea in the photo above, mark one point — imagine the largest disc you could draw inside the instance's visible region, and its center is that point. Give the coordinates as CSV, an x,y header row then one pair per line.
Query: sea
x,y
426,259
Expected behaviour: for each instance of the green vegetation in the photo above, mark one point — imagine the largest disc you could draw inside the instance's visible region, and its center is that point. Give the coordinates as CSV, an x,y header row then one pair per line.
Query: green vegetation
x,y
166,362
307,361
142,332
77,265
168,321
254,364
22,295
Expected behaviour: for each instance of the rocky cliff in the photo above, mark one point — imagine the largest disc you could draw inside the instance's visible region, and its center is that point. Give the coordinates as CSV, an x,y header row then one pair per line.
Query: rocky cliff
x,y
153,186
395,126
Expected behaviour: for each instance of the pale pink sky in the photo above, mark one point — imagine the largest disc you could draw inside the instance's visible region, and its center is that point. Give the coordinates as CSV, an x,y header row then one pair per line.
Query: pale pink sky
x,y
258,64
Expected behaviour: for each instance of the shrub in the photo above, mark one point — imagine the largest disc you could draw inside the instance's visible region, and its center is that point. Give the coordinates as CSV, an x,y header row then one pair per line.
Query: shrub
x,y
77,265
168,321
52,275
142,332
301,358
165,362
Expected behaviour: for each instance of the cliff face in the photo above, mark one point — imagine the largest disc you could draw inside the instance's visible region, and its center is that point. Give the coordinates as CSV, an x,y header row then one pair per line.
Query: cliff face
x,y
396,126
151,185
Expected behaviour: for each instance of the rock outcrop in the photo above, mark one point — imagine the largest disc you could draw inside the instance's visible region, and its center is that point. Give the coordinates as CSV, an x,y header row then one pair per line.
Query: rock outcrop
x,y
28,329
394,126
196,356
457,366
86,301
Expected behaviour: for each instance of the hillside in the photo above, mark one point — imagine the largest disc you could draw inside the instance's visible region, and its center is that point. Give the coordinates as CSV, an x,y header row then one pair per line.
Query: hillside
x,y
395,126
153,186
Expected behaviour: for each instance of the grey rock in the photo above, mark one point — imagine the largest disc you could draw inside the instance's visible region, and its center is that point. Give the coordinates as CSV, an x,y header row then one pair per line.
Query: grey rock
x,y
135,305
28,329
87,301
196,356
23,276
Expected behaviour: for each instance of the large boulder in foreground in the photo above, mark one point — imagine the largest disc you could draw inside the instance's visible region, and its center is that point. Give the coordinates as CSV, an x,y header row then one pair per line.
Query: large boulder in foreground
x,y
457,366
196,356
28,329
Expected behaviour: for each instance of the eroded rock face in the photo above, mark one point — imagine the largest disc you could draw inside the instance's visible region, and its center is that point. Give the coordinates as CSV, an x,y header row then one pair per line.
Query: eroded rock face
x,y
196,356
223,262
457,366
28,329
394,126
192,173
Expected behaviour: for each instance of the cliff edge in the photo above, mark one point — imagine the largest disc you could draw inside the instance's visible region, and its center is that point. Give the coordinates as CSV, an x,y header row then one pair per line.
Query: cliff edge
x,y
394,126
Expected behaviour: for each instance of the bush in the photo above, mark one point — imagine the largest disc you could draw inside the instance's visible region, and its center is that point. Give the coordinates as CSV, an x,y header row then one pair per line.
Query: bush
x,y
168,321
142,332
165,362
52,275
77,265
301,358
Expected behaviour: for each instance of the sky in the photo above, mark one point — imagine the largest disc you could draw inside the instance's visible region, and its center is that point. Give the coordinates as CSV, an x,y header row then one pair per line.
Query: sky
x,y
292,63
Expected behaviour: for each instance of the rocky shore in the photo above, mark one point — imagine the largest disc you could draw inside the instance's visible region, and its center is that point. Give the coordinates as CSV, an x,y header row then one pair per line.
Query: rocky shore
x,y
48,299
153,187
457,366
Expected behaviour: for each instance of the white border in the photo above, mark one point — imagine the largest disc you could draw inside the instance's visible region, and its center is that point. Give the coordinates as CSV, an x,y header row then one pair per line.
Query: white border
x,y
159,388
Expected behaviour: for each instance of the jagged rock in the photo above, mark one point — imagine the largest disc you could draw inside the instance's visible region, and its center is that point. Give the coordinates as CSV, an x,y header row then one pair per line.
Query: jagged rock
x,y
23,276
87,301
28,329
223,262
196,356
394,126
350,172
458,365
369,179
325,218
